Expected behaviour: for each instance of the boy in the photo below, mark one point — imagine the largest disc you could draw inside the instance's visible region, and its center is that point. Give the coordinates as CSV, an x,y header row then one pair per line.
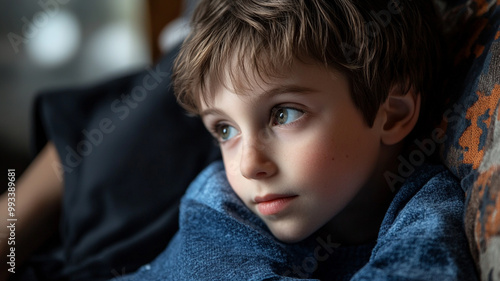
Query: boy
x,y
311,102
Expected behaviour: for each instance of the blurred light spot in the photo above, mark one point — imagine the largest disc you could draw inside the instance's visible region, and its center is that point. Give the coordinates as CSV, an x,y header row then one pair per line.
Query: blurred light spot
x,y
115,47
173,34
56,41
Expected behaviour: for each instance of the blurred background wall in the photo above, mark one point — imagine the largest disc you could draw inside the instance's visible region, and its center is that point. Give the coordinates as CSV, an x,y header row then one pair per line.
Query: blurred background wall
x,y
47,44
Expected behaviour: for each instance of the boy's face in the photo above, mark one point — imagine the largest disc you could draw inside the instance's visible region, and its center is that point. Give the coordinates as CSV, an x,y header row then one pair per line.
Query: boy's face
x,y
296,149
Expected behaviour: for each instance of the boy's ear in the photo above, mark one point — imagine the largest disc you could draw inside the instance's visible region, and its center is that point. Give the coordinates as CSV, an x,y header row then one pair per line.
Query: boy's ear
x,y
401,111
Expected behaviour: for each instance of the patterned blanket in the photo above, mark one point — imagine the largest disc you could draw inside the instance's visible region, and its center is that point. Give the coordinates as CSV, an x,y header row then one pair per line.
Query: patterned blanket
x,y
471,126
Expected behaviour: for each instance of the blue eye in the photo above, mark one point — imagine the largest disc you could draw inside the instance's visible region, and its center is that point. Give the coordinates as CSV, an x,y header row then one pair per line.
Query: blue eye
x,y
285,115
226,132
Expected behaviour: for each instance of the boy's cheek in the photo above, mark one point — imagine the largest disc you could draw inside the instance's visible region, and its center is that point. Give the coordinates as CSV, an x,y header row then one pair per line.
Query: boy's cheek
x,y
311,156
325,162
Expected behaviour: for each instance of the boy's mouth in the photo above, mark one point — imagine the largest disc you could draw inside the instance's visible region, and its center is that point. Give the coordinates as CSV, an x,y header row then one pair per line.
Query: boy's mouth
x,y
272,204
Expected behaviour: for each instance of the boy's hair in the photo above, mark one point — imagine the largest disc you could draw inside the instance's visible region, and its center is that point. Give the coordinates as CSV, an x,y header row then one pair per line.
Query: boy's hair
x,y
377,44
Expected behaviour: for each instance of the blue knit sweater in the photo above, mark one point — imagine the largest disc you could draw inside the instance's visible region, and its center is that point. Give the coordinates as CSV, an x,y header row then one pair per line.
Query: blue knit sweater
x,y
421,238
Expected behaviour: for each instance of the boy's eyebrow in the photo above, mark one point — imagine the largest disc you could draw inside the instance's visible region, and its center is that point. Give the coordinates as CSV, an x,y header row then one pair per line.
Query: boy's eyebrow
x,y
211,111
287,89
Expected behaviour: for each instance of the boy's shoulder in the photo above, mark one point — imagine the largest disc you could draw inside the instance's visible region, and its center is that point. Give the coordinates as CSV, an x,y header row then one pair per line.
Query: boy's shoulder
x,y
430,193
422,234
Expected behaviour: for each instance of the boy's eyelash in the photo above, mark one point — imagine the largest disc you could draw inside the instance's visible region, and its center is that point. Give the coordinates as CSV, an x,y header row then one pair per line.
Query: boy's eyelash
x,y
282,106
214,129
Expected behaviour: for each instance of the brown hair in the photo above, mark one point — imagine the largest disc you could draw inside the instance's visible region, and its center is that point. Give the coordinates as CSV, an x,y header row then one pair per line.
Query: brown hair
x,y
376,44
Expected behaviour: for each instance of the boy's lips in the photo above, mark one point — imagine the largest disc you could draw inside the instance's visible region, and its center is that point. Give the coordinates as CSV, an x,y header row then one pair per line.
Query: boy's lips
x,y
272,204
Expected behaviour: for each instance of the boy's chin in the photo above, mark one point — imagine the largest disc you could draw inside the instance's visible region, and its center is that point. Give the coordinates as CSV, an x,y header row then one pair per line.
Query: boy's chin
x,y
289,234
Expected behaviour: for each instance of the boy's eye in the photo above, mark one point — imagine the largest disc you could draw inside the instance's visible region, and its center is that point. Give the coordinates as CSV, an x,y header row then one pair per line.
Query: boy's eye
x,y
226,132
285,115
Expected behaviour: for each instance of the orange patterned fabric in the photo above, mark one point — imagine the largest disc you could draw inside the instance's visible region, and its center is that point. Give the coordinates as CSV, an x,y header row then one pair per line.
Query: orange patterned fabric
x,y
471,137
472,124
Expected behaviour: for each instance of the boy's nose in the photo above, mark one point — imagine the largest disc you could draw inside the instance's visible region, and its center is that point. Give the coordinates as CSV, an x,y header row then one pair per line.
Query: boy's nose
x,y
255,164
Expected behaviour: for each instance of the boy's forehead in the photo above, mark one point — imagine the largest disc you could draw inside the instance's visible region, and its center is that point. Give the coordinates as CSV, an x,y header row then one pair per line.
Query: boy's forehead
x,y
251,83
241,80
245,79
